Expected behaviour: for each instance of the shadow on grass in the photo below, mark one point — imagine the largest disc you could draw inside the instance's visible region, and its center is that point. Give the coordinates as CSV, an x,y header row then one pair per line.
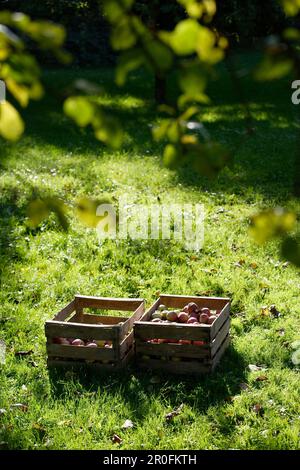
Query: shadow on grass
x,y
198,392
257,160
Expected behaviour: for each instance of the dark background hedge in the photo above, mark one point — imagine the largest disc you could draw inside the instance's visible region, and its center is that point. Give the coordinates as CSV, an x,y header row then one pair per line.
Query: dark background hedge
x,y
244,21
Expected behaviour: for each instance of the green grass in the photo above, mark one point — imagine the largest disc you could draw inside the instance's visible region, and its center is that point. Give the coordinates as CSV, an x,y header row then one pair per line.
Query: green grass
x,y
41,270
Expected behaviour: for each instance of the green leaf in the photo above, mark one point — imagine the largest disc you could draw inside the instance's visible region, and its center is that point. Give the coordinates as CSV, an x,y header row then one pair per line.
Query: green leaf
x,y
291,250
273,67
192,80
161,54
188,113
291,7
272,223
108,130
113,10
48,35
171,156
183,39
11,123
37,211
208,159
160,132
206,46
123,36
79,109
129,61
86,210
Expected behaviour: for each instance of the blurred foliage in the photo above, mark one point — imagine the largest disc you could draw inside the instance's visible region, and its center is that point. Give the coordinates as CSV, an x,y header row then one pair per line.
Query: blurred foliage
x,y
187,43
19,69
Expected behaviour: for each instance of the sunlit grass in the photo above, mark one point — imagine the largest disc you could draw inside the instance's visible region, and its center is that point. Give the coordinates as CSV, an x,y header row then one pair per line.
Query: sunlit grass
x,y
41,270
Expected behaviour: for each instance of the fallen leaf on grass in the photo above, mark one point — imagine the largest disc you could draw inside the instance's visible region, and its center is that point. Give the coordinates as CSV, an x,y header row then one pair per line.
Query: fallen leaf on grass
x,y
172,414
261,378
244,386
127,424
2,411
39,428
264,311
296,344
255,368
239,264
23,353
116,439
258,409
20,406
33,364
296,358
274,312
64,422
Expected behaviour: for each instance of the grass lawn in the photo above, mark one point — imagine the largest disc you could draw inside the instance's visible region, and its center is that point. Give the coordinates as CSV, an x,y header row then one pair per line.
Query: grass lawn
x,y
41,270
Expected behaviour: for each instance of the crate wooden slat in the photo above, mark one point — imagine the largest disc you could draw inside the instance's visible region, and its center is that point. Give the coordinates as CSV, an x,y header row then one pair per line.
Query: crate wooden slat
x,y
94,365
183,358
73,322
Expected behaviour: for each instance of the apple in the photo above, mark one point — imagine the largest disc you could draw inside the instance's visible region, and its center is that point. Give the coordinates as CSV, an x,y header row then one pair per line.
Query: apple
x,y
192,307
100,342
171,341
162,307
172,316
77,342
164,314
195,315
203,318
206,310
160,341
198,343
184,341
192,320
59,340
211,319
156,314
91,345
186,309
156,320
183,317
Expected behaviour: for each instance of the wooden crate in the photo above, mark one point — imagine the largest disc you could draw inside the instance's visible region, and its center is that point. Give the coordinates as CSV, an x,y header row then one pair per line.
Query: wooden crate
x,y
73,322
183,358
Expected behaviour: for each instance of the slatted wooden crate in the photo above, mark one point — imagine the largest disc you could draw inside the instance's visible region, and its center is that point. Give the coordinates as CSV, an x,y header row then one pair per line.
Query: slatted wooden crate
x,y
183,358
73,322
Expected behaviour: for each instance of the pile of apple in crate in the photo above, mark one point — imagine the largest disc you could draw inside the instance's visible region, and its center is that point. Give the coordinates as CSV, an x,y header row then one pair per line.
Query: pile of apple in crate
x,y
183,334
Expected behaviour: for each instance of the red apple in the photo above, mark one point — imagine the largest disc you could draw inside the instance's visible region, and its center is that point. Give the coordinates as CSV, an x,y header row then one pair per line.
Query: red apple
x,y
206,310
192,320
186,309
211,319
192,307
77,342
183,317
198,343
204,318
184,341
91,345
